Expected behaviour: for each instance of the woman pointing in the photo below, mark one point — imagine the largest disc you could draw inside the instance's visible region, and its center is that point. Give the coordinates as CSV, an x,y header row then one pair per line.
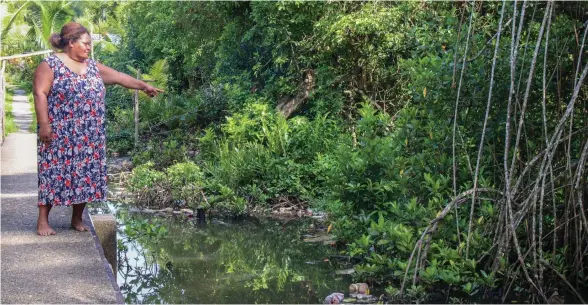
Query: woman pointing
x,y
69,92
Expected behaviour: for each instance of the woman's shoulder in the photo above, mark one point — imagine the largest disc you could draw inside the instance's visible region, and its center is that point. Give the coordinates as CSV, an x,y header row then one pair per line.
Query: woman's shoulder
x,y
94,65
50,60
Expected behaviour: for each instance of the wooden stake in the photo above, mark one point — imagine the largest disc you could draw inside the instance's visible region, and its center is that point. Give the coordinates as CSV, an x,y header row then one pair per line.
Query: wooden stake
x,y
137,111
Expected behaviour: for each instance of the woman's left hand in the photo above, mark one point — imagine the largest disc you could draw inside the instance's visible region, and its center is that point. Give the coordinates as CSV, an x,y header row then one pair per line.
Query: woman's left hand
x,y
152,91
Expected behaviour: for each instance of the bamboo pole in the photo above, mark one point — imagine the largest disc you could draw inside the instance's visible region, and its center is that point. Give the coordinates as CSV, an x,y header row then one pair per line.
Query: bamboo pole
x,y
26,55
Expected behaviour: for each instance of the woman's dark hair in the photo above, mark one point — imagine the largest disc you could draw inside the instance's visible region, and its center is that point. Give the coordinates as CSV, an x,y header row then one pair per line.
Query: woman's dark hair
x,y
71,31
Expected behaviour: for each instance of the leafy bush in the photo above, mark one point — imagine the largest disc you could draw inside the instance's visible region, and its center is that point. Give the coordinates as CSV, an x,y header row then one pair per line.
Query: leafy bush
x,y
262,156
179,186
385,189
162,154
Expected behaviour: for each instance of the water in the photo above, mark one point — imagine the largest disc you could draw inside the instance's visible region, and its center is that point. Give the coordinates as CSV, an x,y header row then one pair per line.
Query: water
x,y
247,261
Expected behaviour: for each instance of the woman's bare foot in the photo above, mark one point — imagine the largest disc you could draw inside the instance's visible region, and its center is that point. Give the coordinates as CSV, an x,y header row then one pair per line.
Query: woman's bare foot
x,y
76,218
44,229
78,225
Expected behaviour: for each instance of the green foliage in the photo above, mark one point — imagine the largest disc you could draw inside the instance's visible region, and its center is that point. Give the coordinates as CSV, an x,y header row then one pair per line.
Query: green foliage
x,y
146,230
185,182
262,156
46,18
145,177
179,185
162,154
385,189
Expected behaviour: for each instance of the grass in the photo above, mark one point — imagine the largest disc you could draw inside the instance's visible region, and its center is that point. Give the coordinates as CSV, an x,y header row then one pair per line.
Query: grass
x,y
9,119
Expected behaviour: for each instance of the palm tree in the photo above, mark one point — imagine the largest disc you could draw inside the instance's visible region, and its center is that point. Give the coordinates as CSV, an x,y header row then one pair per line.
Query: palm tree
x,y
93,20
46,18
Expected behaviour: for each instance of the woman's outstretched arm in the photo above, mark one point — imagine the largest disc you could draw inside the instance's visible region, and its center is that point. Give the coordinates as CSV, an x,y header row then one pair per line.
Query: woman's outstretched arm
x,y
112,77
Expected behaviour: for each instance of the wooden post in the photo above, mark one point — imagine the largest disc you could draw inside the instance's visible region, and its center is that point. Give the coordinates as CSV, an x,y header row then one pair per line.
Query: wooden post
x,y
2,101
92,40
137,111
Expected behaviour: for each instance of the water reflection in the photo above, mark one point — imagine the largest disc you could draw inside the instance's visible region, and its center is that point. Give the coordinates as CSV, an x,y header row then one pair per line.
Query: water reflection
x,y
247,261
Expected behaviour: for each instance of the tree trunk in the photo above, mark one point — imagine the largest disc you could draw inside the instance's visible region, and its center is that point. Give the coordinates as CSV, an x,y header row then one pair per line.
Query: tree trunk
x,y
290,104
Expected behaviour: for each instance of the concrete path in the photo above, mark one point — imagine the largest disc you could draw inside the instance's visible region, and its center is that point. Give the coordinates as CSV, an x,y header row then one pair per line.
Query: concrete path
x,y
65,268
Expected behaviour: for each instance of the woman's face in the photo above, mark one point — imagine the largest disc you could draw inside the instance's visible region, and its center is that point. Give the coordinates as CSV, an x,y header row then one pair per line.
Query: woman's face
x,y
82,47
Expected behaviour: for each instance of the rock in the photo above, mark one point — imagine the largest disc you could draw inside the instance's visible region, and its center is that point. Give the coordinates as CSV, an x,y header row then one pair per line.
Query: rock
x,y
127,165
220,222
114,168
555,298
319,215
321,238
187,211
334,298
345,271
362,296
134,210
366,299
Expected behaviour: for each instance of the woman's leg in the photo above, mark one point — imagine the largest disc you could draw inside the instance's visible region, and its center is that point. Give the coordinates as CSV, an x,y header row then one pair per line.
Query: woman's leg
x,y
76,217
43,227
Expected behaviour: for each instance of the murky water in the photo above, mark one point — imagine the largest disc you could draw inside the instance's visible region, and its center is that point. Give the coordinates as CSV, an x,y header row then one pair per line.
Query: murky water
x,y
246,261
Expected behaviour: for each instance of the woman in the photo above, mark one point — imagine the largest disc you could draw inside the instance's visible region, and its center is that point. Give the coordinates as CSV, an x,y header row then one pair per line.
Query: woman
x,y
68,89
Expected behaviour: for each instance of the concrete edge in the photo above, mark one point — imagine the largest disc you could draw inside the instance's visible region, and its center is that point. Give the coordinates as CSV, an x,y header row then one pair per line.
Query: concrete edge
x,y
107,267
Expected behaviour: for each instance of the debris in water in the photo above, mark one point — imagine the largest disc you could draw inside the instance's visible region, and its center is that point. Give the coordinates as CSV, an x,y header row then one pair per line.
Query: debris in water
x,y
334,298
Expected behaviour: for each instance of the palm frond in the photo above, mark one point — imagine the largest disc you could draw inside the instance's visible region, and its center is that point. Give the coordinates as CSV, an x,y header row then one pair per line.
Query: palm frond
x,y
8,26
60,15
159,73
132,70
106,45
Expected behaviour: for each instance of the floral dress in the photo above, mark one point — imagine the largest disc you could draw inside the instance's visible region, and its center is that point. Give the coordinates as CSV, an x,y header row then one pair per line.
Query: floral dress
x,y
72,169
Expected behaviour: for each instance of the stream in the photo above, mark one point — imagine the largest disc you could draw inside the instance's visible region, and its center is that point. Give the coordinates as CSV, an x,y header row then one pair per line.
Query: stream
x,y
253,260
